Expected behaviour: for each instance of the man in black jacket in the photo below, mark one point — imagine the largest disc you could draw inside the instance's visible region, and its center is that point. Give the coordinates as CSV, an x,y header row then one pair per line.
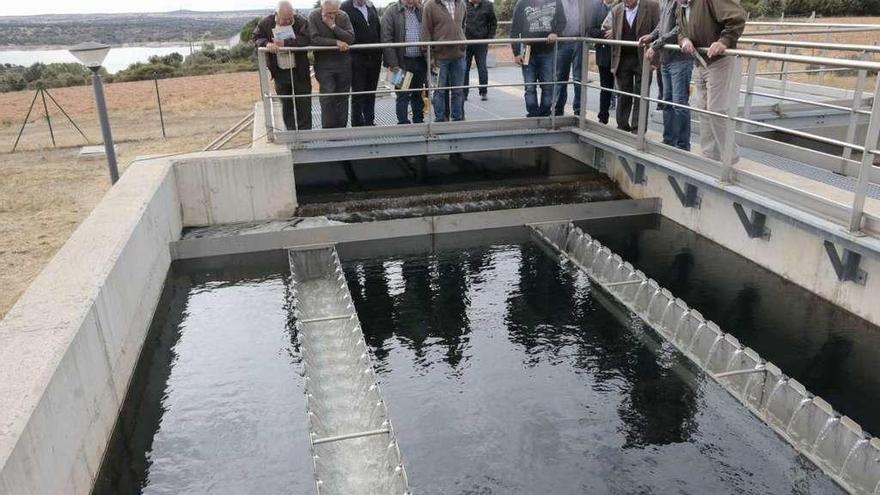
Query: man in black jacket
x,y
480,23
295,80
365,64
597,11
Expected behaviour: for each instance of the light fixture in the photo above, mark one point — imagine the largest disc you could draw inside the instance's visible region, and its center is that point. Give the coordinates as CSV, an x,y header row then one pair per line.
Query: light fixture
x,y
90,54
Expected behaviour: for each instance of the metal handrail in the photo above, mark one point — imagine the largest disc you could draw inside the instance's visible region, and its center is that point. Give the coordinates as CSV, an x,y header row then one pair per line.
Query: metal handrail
x,y
778,57
731,116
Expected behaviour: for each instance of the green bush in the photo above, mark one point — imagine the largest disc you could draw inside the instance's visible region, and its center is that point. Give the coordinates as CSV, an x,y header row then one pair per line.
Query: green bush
x,y
141,71
247,31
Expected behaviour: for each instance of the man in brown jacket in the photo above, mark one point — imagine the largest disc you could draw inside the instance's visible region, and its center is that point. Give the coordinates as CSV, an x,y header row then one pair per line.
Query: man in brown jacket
x,y
630,20
443,20
716,24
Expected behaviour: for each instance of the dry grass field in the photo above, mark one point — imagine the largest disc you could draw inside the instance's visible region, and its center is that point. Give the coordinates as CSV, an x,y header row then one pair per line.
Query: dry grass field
x,y
46,192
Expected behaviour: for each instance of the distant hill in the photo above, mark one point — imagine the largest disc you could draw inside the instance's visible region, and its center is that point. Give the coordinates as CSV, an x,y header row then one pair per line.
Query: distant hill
x,y
116,29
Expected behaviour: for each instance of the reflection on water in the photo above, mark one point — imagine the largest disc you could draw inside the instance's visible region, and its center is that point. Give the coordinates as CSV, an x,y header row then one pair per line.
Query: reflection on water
x,y
216,404
505,374
832,352
117,59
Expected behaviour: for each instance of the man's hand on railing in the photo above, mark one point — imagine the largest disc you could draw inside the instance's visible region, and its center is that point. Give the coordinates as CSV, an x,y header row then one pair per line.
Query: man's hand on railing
x,y
644,40
272,47
343,46
716,49
687,46
609,34
552,38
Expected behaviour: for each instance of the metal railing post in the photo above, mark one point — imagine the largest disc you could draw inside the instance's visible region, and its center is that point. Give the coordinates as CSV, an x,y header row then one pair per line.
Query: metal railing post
x,y
854,116
430,81
729,152
866,169
585,76
264,94
644,104
554,91
783,80
750,89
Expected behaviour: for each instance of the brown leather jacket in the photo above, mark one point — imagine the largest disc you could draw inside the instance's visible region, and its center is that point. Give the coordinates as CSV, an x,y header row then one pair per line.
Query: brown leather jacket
x,y
438,25
711,21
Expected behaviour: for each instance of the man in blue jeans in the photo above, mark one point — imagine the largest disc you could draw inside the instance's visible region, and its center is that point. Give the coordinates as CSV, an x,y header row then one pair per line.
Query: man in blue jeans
x,y
537,19
569,54
443,20
675,69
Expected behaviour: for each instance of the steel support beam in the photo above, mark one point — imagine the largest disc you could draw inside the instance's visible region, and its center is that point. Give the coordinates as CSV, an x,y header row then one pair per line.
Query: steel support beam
x,y
846,267
688,196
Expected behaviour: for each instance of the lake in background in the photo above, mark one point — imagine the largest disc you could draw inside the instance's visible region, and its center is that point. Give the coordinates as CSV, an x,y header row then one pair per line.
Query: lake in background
x,y
119,57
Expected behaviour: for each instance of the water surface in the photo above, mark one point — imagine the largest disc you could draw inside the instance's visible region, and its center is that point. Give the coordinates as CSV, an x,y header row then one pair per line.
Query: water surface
x,y
831,351
217,404
505,374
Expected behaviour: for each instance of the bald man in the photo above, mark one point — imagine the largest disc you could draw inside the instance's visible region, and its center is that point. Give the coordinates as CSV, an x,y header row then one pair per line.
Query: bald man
x,y
291,81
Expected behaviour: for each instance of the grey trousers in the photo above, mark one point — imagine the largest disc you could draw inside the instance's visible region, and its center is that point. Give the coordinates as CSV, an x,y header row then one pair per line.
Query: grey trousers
x,y
334,109
712,86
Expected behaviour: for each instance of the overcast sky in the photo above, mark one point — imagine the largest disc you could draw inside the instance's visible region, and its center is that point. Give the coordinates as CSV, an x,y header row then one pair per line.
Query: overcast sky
x,y
107,6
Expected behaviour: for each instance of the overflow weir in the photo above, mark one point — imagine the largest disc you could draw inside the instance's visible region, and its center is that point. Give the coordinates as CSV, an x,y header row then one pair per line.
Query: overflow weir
x,y
116,376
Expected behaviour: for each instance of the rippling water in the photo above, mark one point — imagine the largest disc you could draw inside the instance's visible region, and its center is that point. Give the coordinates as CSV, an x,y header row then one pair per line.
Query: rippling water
x,y
831,351
217,404
504,374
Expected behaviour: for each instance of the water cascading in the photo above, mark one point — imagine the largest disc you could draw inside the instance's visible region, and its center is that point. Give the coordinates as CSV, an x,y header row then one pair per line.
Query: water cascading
x,y
353,444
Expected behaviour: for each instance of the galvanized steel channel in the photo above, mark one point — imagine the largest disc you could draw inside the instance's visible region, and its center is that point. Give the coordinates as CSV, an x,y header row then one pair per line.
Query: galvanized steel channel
x,y
353,445
834,443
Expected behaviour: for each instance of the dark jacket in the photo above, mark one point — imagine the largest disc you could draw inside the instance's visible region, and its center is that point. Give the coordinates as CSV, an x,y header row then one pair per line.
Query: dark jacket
x,y
263,35
647,18
666,33
364,31
597,11
394,31
480,22
322,35
536,19
711,21
438,25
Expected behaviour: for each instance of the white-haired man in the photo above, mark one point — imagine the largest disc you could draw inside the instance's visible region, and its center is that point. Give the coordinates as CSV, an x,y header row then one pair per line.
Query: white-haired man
x,y
296,79
329,26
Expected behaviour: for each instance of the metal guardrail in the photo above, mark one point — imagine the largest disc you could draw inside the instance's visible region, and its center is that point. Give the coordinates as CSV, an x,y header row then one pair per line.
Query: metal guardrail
x,y
736,124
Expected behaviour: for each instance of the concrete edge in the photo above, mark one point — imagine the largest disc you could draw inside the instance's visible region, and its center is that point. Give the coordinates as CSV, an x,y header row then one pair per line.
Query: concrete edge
x,y
69,344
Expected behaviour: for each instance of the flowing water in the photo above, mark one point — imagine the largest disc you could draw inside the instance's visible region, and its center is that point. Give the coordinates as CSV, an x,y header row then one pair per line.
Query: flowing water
x,y
831,351
503,373
217,403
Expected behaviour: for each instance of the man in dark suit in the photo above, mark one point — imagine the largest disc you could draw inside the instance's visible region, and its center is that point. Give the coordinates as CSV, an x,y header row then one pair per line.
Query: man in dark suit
x,y
365,64
630,20
597,11
296,79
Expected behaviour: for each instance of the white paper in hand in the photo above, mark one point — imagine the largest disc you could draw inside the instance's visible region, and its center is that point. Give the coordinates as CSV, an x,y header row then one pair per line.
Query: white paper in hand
x,y
281,34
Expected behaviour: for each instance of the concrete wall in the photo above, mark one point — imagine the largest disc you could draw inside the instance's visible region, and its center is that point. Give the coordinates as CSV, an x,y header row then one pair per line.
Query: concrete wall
x,y
235,185
69,345
792,252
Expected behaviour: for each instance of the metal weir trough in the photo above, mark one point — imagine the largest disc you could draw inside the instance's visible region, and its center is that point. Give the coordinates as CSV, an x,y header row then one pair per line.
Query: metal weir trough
x,y
353,444
835,443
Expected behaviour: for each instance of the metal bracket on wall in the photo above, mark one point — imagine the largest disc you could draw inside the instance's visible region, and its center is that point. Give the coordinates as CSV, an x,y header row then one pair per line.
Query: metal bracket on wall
x,y
688,197
847,269
756,225
636,174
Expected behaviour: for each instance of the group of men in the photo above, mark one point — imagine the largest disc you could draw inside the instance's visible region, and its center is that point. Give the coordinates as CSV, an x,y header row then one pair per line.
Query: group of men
x,y
664,33
686,25
341,71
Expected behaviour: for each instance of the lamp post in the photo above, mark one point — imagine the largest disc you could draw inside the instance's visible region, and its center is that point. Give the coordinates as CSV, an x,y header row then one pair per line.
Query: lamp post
x,y
92,56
